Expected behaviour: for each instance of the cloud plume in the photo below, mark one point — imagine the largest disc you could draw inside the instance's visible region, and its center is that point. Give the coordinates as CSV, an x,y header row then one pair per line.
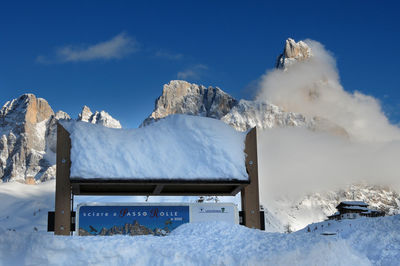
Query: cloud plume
x,y
313,88
295,161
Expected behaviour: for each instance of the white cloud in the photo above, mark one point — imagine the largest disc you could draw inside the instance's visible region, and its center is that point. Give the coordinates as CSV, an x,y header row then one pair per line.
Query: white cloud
x,y
118,47
313,88
193,72
295,161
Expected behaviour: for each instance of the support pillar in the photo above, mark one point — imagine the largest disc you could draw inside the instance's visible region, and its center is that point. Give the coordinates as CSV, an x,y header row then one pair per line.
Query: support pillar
x,y
250,194
62,222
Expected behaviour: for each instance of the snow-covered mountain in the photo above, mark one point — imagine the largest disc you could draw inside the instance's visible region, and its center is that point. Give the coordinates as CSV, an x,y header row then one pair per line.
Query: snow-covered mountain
x,y
181,97
28,137
283,213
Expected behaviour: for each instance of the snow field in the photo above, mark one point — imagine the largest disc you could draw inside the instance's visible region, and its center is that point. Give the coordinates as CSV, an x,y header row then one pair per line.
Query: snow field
x,y
213,243
368,241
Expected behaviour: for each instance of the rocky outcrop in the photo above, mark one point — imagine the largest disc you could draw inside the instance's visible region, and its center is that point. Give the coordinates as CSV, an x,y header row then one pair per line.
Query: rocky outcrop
x,y
23,122
28,133
292,53
181,97
101,118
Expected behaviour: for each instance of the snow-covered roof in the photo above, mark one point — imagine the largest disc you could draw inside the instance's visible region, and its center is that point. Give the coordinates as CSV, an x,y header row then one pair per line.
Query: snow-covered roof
x,y
177,147
355,208
354,203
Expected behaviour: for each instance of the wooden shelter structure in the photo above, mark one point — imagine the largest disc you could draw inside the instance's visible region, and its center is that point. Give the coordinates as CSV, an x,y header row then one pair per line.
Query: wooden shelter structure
x,y
67,187
353,210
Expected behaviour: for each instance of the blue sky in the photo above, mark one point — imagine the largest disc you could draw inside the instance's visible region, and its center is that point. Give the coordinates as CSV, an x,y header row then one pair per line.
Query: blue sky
x,y
116,55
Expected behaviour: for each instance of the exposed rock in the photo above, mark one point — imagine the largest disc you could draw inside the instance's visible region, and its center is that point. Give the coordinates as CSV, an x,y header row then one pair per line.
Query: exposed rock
x,y
181,97
85,114
23,123
28,138
100,118
293,52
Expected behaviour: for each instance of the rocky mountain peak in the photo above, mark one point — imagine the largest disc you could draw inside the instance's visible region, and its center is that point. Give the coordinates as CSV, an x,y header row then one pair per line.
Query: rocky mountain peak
x,y
181,97
102,118
85,114
25,109
293,52
28,132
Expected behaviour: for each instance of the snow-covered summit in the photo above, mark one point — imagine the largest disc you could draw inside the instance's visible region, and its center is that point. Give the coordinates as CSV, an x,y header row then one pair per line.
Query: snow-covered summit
x,y
101,118
249,114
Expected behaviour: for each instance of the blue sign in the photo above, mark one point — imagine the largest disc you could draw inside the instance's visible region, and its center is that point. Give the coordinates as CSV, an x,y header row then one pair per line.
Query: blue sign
x,y
130,220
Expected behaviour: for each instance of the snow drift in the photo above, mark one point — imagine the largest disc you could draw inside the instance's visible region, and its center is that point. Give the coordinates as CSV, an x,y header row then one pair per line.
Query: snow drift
x,y
370,242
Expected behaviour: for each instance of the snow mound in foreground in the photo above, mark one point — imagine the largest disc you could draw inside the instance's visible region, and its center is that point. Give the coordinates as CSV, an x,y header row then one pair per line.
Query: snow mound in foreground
x,y
372,242
177,147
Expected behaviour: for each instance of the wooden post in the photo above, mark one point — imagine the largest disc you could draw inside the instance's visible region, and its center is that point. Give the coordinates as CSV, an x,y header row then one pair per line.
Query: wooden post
x,y
62,222
250,194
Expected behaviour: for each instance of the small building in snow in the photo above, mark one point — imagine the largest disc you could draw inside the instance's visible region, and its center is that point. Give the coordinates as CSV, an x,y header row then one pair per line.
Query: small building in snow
x,y
353,210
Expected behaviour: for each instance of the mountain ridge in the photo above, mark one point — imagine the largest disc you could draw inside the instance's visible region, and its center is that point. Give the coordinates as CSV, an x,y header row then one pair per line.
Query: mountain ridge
x,y
28,137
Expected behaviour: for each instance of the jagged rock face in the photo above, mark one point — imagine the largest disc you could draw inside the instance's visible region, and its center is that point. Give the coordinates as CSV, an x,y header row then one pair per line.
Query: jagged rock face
x,y
22,129
28,138
249,114
101,118
181,97
293,52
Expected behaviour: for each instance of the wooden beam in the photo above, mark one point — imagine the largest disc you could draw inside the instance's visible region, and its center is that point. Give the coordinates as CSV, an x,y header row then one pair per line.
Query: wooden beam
x,y
250,194
161,189
62,222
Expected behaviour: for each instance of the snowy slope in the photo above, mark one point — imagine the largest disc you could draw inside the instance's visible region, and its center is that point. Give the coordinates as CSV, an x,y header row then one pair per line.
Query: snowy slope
x,y
370,242
23,208
315,207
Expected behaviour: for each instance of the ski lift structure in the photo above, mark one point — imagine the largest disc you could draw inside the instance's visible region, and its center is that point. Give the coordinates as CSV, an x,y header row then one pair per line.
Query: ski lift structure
x,y
67,187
